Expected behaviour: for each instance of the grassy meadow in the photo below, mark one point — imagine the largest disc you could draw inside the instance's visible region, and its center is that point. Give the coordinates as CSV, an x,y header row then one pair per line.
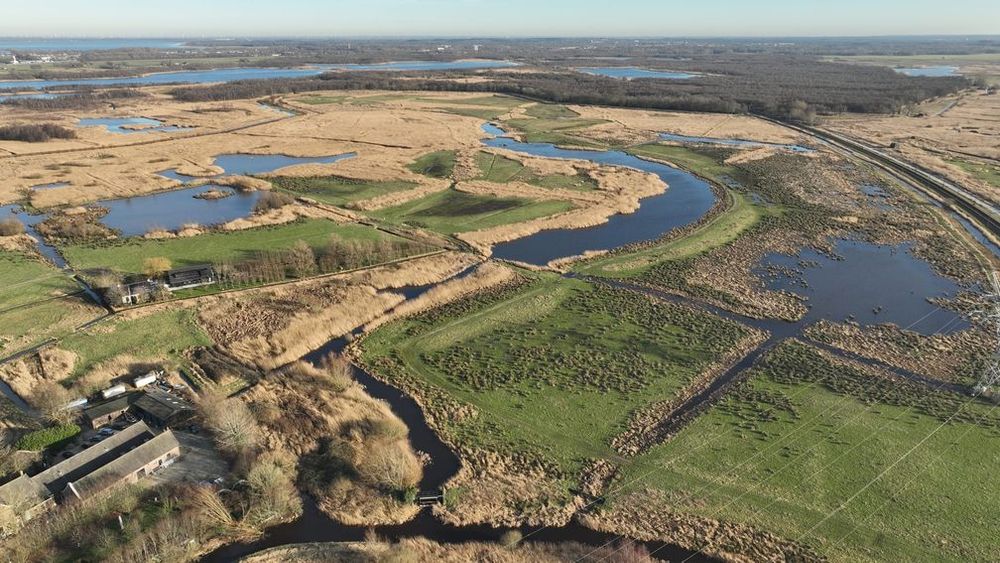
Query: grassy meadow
x,y
37,302
214,247
452,211
555,366
336,190
805,434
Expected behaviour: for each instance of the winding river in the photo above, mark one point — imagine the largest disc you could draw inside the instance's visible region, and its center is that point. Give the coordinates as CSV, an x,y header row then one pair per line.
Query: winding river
x,y
686,201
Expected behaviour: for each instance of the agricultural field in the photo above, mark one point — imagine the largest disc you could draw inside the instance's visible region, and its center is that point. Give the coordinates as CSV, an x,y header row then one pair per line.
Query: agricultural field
x,y
452,211
216,247
772,455
556,365
337,190
37,302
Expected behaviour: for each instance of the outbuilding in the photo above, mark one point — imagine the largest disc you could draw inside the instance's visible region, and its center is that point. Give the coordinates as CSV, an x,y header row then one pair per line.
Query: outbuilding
x,y
190,276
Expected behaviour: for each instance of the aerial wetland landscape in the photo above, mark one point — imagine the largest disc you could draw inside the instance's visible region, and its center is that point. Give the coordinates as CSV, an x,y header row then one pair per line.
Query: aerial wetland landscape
x,y
499,300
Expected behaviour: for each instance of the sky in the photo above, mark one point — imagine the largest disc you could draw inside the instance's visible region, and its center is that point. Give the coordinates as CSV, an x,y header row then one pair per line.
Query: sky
x,y
495,18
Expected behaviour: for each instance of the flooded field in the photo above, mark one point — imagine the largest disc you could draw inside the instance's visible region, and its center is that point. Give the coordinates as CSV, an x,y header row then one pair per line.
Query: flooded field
x,y
867,284
129,125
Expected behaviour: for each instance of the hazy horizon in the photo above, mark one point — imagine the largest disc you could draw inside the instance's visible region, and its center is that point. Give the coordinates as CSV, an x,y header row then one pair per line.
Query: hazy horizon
x,y
427,19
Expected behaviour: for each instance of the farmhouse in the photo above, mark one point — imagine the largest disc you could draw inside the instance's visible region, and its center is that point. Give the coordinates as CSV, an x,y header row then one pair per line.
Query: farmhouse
x,y
122,458
191,276
139,291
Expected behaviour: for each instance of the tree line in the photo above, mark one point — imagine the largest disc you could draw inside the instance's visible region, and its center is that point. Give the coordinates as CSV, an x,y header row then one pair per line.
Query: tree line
x,y
770,85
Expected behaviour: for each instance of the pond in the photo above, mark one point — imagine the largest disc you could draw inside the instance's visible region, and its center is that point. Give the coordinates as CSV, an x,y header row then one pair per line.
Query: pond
x,y
928,71
731,142
686,200
238,164
29,221
52,186
630,72
130,125
867,283
242,73
136,216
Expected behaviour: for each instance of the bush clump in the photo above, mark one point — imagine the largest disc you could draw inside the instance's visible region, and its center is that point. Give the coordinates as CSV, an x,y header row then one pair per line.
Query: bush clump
x,y
40,439
35,133
271,200
10,227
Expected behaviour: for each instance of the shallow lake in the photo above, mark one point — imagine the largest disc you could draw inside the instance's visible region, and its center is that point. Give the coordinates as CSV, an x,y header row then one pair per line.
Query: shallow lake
x,y
129,125
928,71
630,72
135,216
238,164
231,74
686,200
867,283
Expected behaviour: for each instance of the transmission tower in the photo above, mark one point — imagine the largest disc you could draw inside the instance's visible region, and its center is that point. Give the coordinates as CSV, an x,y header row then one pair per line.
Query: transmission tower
x,y
991,315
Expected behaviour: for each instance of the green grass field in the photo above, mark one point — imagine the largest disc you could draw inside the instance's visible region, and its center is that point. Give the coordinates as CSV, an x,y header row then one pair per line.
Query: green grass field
x,y
452,211
983,172
725,228
550,111
482,107
805,435
322,100
163,334
500,169
698,162
555,130
555,366
436,164
215,247
37,302
337,190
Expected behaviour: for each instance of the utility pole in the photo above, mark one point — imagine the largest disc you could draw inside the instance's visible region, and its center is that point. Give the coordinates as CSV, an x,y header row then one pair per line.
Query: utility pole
x,y
991,374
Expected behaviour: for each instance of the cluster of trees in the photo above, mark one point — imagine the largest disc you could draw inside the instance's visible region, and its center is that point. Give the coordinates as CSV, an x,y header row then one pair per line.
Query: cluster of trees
x,y
35,132
302,260
766,84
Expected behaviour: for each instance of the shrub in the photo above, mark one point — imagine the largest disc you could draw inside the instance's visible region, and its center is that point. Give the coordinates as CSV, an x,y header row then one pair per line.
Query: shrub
x,y
40,439
155,266
271,200
35,133
10,226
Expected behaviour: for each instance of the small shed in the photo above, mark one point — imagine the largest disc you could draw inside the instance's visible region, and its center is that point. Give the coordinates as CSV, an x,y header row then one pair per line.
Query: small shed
x,y
106,412
190,276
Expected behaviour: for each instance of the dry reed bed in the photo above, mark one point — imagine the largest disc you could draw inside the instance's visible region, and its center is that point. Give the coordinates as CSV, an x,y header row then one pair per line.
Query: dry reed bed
x,y
424,550
273,326
321,417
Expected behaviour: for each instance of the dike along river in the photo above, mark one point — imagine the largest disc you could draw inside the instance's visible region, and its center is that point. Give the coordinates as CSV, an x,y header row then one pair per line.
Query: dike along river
x,y
686,200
